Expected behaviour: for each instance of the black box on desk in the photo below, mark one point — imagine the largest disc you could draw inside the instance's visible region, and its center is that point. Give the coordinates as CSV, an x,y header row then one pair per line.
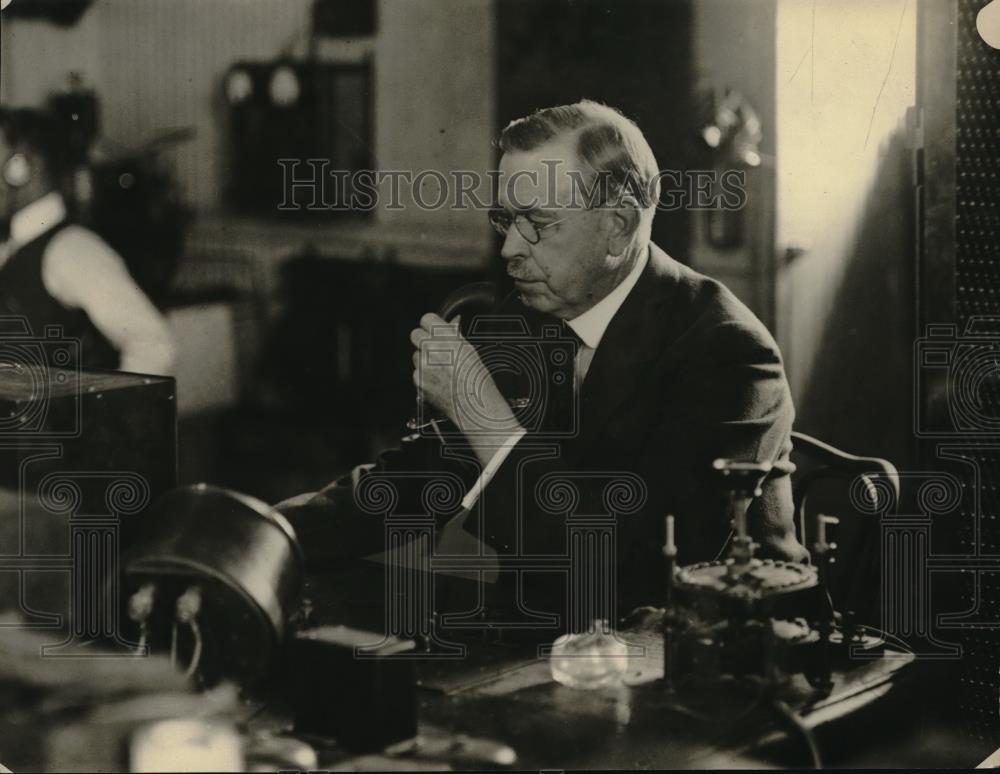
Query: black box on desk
x,y
355,686
87,442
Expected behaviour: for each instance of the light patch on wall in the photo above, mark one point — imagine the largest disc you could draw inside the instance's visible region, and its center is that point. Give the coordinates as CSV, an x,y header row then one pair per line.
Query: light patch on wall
x,y
845,75
843,79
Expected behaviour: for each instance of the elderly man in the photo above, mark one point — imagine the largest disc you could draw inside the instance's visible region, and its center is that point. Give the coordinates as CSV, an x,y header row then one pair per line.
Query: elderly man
x,y
671,372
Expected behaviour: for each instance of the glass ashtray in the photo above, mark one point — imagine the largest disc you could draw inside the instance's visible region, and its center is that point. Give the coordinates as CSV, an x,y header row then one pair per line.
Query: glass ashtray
x,y
589,660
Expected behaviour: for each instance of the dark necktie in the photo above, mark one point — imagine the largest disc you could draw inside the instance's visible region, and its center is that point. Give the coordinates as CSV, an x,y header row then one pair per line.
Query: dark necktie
x,y
554,421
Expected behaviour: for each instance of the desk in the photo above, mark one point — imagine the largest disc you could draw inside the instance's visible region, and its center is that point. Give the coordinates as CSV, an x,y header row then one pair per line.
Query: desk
x,y
639,727
505,693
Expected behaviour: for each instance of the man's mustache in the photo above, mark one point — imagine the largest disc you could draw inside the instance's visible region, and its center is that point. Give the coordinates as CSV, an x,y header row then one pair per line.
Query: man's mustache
x,y
521,278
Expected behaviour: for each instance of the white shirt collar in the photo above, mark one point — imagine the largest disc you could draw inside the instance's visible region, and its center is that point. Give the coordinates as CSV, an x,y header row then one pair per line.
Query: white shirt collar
x,y
30,222
591,325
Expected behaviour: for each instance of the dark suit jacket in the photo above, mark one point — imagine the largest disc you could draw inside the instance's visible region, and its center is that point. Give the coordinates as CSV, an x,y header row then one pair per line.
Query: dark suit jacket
x,y
685,374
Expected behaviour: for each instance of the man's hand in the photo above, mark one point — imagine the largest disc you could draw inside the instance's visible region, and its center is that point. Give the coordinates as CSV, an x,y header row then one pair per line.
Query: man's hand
x,y
451,377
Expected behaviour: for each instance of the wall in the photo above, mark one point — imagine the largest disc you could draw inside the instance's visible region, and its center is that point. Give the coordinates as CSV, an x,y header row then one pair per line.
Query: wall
x,y
734,47
435,98
155,65
845,77
831,81
25,77
634,55
158,64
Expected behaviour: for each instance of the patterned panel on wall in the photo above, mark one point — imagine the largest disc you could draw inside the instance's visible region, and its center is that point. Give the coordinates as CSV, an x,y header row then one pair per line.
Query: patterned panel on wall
x,y
977,288
978,157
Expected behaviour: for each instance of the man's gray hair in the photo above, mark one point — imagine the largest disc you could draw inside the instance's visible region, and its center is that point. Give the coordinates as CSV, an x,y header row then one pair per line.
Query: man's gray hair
x,y
608,142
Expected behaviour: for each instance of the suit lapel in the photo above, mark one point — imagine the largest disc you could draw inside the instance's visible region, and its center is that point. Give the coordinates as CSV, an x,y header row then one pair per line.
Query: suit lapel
x,y
636,335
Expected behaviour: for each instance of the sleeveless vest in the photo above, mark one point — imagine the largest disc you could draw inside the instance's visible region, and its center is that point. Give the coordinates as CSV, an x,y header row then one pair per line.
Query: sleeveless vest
x,y
23,294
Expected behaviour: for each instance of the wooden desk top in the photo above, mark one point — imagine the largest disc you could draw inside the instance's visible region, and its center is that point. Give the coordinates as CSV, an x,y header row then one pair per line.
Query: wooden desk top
x,y
505,694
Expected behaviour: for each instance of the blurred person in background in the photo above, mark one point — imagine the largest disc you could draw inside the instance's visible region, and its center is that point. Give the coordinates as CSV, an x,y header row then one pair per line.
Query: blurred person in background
x,y
54,272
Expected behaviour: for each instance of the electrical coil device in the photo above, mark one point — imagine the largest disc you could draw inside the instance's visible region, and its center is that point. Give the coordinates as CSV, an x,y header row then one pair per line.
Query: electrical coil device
x,y
743,615
214,576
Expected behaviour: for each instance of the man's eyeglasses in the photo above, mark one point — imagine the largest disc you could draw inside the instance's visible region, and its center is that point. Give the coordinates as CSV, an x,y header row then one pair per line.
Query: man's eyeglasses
x,y
501,220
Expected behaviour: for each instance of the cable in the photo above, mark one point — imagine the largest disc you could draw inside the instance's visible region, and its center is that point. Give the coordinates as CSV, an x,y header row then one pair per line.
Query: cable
x,y
186,611
173,645
140,607
796,722
196,654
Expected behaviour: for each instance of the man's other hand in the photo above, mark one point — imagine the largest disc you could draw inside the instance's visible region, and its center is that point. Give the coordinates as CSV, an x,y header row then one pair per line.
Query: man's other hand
x,y
450,376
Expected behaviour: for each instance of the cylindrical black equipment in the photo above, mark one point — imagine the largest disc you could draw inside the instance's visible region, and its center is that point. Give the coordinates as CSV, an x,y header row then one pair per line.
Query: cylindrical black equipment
x,y
244,561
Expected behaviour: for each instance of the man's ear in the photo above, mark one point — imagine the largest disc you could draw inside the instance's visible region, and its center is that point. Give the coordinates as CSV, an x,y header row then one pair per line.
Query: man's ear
x,y
624,221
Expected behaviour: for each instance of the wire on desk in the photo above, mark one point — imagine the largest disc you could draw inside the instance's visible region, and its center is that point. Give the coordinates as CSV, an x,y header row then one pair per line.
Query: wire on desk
x,y
187,607
140,607
196,654
173,645
797,723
